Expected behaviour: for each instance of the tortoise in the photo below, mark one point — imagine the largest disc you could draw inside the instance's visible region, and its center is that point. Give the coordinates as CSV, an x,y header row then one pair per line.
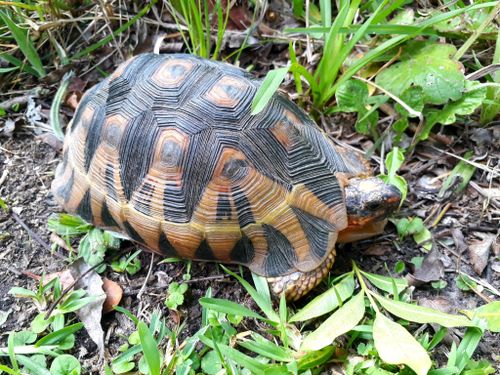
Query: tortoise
x,y
167,152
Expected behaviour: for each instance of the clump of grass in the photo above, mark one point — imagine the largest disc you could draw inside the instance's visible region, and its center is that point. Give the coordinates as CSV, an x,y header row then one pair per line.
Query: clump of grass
x,y
198,19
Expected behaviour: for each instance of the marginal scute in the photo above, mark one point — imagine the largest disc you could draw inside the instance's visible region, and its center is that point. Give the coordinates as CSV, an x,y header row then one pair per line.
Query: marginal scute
x,y
282,258
107,218
84,208
166,151
243,252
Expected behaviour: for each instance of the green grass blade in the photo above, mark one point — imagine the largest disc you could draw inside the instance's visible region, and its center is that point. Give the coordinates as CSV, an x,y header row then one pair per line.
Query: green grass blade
x,y
263,346
56,104
324,75
25,44
384,13
381,29
267,89
262,302
296,75
118,31
149,348
7,370
228,307
325,7
346,49
56,337
10,348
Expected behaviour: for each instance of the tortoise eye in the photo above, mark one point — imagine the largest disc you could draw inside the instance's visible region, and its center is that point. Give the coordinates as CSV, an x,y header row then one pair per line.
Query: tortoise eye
x,y
234,169
373,206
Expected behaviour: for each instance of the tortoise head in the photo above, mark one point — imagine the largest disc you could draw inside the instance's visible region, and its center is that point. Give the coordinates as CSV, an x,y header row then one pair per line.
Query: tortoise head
x,y
369,201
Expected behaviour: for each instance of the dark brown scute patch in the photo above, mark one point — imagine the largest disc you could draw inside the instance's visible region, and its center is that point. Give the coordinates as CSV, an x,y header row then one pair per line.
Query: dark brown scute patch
x,y
223,208
166,247
65,190
326,189
109,177
84,209
243,207
317,232
174,204
143,205
243,251
106,217
281,256
132,233
93,137
204,252
135,151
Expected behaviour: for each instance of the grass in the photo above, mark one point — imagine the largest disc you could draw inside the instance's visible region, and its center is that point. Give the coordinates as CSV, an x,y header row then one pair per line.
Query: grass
x,y
372,56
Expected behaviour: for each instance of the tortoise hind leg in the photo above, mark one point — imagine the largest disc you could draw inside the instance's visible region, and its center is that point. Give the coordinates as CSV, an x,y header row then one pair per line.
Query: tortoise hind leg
x,y
298,284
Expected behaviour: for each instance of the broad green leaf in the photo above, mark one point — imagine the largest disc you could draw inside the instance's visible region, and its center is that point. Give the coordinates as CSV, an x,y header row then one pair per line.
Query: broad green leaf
x,y
393,161
340,322
386,283
32,366
465,105
421,314
315,358
211,363
490,312
24,337
327,301
65,364
414,97
461,173
395,345
149,348
415,227
428,66
268,88
351,95
40,324
228,307
122,367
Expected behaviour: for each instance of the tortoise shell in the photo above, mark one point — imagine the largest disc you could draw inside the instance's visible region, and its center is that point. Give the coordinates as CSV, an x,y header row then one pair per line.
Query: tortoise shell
x,y
166,151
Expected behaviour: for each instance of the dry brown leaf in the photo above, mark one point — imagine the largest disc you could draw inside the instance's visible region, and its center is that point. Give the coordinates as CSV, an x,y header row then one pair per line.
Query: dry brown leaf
x,y
432,269
377,250
90,314
114,294
479,251
65,277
